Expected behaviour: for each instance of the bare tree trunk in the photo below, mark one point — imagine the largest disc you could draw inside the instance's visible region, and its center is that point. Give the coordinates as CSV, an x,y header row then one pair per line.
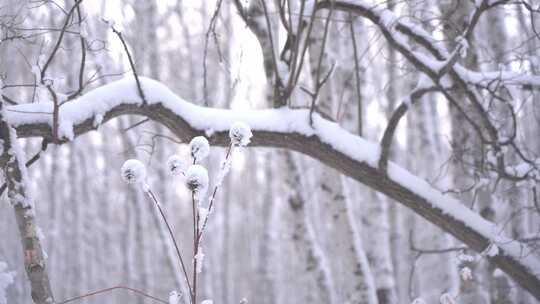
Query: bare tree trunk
x,y
12,160
313,277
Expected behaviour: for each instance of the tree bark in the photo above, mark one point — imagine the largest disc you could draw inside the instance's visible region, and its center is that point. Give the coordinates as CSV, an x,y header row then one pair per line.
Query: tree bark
x,y
19,197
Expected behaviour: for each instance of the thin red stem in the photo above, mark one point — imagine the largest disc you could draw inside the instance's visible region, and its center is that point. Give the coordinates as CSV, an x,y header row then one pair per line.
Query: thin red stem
x,y
100,291
156,202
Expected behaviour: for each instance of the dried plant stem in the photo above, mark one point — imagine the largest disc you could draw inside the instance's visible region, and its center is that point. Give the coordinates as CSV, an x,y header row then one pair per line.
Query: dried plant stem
x,y
214,192
182,264
97,292
195,244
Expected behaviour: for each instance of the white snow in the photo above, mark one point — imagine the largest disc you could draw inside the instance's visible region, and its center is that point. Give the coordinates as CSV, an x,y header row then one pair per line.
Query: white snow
x,y
199,147
174,297
207,302
174,165
197,180
200,260
465,273
133,171
418,301
203,214
284,120
240,134
463,46
6,279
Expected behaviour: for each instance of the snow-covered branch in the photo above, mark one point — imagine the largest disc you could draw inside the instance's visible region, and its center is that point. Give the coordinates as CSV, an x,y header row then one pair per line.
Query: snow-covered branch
x,y
291,129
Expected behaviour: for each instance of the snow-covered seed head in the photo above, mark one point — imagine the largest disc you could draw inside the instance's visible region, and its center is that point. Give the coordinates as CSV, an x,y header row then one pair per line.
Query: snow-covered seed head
x,y
174,297
418,301
199,148
207,302
133,171
174,165
240,134
197,179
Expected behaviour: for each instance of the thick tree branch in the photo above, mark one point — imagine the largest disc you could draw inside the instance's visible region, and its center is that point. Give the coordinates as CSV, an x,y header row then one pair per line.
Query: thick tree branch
x,y
290,129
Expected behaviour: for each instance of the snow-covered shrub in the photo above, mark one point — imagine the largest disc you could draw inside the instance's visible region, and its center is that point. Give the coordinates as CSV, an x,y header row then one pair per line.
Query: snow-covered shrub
x,y
197,181
133,171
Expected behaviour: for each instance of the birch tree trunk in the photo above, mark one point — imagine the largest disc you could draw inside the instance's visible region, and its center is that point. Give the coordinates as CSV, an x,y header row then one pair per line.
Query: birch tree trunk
x,y
12,160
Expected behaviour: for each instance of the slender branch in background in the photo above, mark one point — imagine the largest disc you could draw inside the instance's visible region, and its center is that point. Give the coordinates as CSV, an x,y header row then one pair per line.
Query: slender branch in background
x,y
318,83
386,141
106,290
131,64
278,102
357,77
83,59
211,30
59,40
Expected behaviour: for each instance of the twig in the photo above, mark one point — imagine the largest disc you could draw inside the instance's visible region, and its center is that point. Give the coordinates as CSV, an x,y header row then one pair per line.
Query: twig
x,y
211,29
214,192
83,59
132,65
100,291
59,40
156,203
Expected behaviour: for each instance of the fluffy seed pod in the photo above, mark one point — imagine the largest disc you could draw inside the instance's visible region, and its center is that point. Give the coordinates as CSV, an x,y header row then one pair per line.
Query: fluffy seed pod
x,y
133,171
174,165
199,148
197,179
240,134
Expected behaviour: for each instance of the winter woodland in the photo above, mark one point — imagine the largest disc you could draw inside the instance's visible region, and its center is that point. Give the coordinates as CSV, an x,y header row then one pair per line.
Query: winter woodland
x,y
270,151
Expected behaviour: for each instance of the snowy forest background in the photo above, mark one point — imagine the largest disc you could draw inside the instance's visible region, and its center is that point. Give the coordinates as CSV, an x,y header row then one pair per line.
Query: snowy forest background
x,y
286,228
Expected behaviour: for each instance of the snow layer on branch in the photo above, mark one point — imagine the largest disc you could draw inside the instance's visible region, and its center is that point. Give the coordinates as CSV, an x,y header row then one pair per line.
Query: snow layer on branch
x,y
283,120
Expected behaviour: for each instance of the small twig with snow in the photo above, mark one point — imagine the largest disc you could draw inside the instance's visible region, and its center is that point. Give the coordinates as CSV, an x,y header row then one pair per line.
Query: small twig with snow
x,y
131,63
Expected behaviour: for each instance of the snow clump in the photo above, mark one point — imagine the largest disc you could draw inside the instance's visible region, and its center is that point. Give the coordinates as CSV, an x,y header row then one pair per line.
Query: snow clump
x,y
197,179
174,297
133,171
199,148
465,273
174,165
240,134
